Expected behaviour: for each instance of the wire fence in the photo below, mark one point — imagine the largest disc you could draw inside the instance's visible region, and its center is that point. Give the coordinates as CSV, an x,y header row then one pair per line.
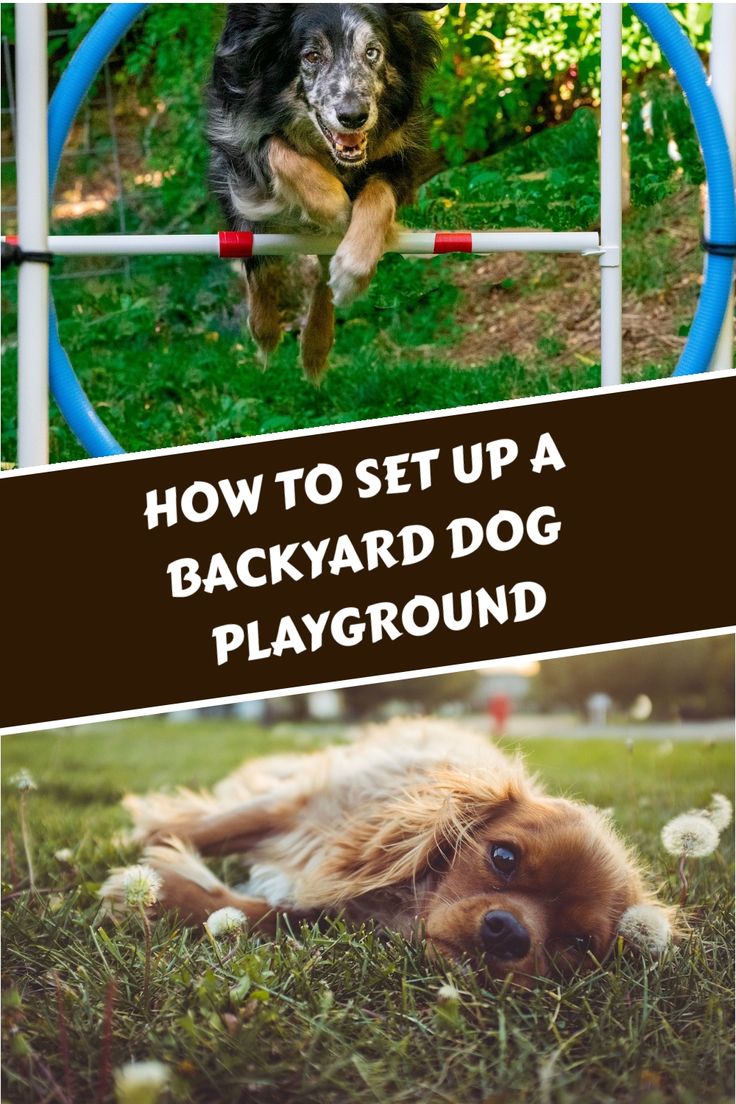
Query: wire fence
x,y
95,145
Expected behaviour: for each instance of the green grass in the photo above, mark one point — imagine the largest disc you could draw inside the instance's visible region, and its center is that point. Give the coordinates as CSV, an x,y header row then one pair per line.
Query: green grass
x,y
339,1015
166,359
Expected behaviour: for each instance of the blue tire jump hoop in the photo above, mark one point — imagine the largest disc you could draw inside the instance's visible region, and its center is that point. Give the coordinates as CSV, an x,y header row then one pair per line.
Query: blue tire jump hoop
x,y
104,36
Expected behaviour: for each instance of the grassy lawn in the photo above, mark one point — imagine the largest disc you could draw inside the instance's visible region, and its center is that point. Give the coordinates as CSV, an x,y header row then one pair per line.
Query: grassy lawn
x,y
166,358
334,1015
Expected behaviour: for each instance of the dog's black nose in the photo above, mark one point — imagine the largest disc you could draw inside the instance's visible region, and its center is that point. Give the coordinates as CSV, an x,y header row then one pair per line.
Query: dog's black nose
x,y
352,118
503,936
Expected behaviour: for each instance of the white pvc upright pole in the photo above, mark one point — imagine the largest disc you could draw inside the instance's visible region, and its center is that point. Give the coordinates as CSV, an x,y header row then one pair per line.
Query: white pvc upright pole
x,y
33,228
723,85
611,192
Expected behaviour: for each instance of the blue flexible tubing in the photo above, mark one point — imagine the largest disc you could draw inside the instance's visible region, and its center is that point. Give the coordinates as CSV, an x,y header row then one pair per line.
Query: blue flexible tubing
x,y
104,36
713,301
117,18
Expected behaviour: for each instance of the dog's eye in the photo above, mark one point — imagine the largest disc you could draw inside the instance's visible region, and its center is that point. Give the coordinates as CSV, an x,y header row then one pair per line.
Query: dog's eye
x,y
581,943
373,53
503,859
311,57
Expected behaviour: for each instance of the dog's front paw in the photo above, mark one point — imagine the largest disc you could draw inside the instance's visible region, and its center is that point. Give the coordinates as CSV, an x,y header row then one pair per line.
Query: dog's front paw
x,y
350,275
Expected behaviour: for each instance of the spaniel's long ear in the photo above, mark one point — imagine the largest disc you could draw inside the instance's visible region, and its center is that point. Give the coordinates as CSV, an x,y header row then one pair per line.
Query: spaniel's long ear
x,y
399,839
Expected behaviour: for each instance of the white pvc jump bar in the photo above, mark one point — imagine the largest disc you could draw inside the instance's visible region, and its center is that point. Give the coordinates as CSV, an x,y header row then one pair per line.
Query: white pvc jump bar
x,y
245,244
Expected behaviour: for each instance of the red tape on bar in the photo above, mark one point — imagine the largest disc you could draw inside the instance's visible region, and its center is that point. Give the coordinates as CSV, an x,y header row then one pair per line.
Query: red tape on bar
x,y
453,243
236,243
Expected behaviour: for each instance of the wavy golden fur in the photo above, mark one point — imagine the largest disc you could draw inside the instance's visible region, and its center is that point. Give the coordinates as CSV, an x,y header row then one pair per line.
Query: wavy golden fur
x,y
418,826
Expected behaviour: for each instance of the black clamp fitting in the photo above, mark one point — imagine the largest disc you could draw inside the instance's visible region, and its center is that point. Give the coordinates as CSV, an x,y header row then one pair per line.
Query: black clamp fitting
x,y
12,254
718,249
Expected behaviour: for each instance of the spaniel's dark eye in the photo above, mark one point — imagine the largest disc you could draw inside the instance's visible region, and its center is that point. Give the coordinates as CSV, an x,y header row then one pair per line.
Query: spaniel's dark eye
x,y
311,57
581,943
503,859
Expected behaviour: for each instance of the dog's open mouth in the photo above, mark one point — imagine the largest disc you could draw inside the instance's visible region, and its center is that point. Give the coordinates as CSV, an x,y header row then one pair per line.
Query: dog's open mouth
x,y
348,148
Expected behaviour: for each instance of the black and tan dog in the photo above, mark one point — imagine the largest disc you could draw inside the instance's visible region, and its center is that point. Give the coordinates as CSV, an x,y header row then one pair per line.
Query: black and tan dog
x,y
315,123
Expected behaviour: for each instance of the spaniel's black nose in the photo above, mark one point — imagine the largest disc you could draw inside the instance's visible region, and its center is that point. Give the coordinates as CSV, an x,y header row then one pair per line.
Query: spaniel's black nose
x,y
503,936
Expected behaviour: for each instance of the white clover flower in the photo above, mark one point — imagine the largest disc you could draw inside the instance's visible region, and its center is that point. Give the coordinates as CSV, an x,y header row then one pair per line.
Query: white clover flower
x,y
225,922
140,886
140,1082
23,781
447,993
64,855
647,927
719,812
690,834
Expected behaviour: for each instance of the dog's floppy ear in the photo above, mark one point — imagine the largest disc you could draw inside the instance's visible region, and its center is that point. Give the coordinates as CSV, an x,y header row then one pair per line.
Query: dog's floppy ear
x,y
254,32
415,43
399,839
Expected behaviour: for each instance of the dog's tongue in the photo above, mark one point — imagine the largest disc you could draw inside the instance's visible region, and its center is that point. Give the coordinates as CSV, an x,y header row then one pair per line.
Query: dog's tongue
x,y
349,140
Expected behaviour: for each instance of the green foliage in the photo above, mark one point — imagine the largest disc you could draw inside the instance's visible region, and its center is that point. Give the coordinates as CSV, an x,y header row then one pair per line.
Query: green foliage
x,y
336,1015
688,679
510,69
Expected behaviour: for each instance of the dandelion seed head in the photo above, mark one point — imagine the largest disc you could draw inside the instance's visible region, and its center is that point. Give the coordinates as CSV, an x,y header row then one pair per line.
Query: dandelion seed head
x,y
690,834
447,993
64,855
225,922
23,781
647,927
720,811
140,885
140,1082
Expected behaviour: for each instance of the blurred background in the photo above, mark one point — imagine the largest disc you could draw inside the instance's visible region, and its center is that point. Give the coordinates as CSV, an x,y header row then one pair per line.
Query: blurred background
x,y
160,343
679,690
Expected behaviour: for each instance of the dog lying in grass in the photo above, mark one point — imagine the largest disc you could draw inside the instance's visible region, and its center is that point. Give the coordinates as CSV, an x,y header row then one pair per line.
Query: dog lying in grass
x,y
420,827
315,123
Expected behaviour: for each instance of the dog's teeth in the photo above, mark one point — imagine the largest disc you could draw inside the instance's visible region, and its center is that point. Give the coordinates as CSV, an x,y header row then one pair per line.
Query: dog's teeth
x,y
350,143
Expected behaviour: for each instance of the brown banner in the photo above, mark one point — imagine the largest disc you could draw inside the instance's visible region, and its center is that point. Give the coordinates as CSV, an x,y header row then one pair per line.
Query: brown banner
x,y
316,558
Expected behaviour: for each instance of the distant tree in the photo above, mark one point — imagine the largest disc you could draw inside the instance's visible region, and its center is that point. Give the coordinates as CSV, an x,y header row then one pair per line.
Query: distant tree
x,y
423,694
688,679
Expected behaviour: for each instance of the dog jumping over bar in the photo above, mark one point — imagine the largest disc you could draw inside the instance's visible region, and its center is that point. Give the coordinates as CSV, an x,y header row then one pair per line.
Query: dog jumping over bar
x,y
315,124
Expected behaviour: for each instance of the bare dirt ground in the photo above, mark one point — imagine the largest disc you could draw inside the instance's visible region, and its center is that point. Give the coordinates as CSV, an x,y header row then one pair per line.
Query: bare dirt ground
x,y
527,304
